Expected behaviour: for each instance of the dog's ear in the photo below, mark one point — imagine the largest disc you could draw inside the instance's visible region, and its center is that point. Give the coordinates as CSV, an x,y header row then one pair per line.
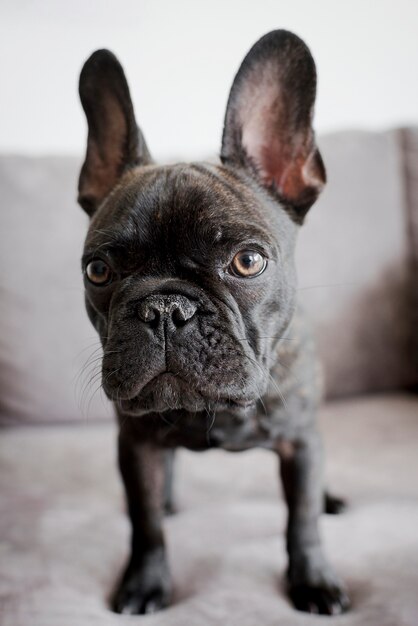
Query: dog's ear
x,y
268,121
114,142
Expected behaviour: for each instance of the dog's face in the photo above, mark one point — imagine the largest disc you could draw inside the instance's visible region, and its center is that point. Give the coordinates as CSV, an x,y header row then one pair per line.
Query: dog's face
x,y
189,277
189,270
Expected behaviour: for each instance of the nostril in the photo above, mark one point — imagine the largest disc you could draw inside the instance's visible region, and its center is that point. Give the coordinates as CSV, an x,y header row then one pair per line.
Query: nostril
x,y
148,313
182,313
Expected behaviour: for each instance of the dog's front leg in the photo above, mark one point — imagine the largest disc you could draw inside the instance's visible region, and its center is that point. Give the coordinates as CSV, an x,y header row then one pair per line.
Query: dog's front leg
x,y
313,585
145,585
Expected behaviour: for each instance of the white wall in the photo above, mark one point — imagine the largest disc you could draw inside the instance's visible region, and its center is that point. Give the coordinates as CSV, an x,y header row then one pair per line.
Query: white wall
x,y
180,58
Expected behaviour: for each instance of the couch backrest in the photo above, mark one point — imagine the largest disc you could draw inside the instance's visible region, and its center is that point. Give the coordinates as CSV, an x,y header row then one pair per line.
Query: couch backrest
x,y
44,331
353,259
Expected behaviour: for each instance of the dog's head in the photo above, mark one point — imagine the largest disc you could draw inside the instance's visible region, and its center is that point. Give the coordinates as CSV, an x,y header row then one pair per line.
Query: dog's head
x,y
189,269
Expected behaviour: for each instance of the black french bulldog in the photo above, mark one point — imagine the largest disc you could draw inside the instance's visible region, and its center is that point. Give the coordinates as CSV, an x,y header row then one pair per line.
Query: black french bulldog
x,y
190,283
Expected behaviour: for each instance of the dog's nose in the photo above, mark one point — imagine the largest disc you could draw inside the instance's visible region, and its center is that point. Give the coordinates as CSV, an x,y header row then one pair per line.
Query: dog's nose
x,y
172,308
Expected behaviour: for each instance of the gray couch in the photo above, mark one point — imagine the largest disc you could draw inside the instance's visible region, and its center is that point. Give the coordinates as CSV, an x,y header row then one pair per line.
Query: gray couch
x,y
63,530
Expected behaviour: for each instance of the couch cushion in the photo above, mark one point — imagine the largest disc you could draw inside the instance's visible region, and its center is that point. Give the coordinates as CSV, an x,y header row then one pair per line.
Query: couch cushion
x,y
64,533
45,336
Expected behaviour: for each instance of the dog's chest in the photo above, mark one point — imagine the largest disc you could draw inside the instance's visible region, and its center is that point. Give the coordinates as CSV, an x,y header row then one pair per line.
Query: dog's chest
x,y
230,431
270,421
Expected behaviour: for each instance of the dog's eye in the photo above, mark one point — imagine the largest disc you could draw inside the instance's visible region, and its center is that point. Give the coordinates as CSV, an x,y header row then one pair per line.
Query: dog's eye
x,y
98,272
248,263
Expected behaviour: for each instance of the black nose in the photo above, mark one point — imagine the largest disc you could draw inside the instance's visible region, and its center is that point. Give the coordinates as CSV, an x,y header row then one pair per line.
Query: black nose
x,y
175,309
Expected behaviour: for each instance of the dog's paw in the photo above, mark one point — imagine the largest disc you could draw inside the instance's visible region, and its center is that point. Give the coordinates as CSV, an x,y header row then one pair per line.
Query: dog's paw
x,y
313,585
323,600
334,505
143,589
139,602
170,508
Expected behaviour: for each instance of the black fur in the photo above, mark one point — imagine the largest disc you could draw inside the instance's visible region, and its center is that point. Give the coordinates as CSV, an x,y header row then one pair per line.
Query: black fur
x,y
194,354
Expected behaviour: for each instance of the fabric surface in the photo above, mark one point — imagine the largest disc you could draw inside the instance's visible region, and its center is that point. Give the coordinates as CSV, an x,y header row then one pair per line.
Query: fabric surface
x,y
65,534
409,139
352,275
45,336
353,261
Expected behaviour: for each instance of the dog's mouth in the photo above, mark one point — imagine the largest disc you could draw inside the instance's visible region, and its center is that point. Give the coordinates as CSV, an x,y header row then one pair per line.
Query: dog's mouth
x,y
168,391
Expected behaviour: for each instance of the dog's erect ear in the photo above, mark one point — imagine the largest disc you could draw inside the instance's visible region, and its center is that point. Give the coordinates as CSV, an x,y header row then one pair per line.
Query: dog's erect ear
x,y
114,142
268,121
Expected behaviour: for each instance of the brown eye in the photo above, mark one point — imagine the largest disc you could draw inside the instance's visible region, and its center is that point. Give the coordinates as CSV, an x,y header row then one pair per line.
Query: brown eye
x,y
248,263
98,272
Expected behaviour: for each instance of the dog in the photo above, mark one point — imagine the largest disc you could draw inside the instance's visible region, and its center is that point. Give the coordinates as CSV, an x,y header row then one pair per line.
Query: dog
x,y
190,283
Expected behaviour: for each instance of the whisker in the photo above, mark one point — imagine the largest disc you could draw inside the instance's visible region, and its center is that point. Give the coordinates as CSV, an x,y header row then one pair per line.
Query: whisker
x,y
349,284
98,388
88,389
260,399
274,383
122,424
211,423
270,337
